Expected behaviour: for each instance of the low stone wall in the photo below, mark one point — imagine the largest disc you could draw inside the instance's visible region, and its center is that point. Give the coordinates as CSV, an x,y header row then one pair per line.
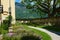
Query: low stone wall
x,y
43,20
47,21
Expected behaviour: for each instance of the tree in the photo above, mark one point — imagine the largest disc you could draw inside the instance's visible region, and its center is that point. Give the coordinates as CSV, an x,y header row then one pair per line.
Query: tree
x,y
46,6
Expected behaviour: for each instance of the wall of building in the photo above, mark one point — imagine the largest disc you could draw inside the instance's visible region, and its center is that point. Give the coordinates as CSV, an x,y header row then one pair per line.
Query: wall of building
x,y
6,4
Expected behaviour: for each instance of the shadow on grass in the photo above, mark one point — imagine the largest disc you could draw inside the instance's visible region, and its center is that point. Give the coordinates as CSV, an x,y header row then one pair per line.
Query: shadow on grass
x,y
53,29
33,24
30,38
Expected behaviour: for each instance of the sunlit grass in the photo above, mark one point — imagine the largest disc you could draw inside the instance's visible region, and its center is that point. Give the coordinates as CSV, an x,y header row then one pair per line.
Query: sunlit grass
x,y
43,34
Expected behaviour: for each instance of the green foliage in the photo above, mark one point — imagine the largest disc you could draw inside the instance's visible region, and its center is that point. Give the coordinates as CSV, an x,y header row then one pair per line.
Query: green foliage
x,y
43,5
30,31
44,35
54,28
24,32
9,20
21,34
30,37
2,31
11,38
5,24
4,27
22,13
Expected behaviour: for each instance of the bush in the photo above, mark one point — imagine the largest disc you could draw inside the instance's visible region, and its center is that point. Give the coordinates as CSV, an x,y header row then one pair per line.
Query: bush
x,y
11,38
5,24
22,35
30,37
4,27
2,31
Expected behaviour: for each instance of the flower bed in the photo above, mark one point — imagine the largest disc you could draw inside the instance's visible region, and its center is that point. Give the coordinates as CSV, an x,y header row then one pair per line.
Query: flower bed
x,y
22,35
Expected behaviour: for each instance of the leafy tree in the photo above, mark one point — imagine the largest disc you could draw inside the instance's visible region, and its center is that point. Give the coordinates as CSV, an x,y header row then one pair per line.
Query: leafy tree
x,y
46,6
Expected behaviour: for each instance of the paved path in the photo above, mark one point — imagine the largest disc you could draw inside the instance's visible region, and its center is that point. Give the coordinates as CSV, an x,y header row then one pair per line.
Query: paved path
x,y
1,37
53,35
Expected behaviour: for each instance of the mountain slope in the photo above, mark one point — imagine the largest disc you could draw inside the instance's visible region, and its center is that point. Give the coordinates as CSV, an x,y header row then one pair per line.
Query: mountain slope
x,y
23,13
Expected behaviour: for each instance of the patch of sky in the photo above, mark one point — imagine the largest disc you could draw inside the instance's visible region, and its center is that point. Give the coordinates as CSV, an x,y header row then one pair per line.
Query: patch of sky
x,y
18,1
33,3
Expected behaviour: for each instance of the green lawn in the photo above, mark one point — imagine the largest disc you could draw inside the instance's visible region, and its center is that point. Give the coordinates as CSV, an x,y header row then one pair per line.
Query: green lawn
x,y
52,28
43,34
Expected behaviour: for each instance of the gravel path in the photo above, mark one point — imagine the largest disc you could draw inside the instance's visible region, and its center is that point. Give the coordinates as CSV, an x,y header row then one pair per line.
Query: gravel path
x,y
53,35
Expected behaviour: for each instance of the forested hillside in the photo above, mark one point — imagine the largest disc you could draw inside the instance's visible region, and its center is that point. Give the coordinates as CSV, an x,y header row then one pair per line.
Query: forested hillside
x,y
23,13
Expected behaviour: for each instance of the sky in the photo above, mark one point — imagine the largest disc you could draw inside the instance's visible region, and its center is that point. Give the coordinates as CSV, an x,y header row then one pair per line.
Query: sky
x,y
17,0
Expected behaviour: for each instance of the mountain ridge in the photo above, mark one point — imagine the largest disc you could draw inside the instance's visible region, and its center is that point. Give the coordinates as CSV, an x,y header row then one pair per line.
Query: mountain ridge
x,y
23,13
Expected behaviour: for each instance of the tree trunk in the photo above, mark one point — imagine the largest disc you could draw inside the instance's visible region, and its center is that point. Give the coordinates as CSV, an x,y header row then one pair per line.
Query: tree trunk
x,y
54,8
49,8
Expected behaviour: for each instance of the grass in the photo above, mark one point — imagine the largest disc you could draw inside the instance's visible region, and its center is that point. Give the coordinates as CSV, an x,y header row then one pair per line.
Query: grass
x,y
52,28
43,34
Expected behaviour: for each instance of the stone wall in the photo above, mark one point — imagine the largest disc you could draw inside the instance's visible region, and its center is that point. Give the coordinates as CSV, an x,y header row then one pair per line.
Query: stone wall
x,y
47,20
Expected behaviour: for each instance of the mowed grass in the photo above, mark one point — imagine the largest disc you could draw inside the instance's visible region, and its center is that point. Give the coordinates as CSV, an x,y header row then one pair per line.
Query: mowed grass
x,y
44,35
51,28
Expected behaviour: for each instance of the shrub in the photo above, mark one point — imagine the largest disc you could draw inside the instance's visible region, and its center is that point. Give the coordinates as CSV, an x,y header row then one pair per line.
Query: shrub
x,y
11,38
23,35
4,27
5,24
2,31
30,37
